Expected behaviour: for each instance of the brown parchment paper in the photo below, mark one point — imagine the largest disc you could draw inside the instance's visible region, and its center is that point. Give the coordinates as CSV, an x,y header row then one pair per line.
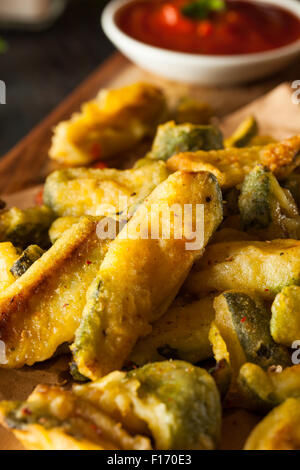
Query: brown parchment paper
x,y
277,116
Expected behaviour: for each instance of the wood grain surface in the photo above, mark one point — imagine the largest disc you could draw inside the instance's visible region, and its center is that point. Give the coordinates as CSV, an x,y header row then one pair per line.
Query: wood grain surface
x,y
27,164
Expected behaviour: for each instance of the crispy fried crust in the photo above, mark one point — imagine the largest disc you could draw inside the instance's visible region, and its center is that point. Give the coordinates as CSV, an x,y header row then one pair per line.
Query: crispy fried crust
x,y
261,267
42,309
140,277
57,419
122,411
115,121
279,430
8,256
90,191
181,333
231,165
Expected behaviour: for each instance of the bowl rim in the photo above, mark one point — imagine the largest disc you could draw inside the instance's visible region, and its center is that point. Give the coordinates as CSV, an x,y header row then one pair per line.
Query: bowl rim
x,y
112,30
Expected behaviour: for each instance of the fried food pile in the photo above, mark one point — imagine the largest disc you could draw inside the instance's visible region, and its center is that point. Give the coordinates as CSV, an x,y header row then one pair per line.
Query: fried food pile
x,y
174,285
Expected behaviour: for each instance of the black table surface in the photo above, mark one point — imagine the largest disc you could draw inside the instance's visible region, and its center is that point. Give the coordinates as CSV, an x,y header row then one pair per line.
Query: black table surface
x,y
41,68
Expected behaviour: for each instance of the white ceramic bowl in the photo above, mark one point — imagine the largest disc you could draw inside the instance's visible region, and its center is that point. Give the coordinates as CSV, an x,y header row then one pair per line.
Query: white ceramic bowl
x,y
196,68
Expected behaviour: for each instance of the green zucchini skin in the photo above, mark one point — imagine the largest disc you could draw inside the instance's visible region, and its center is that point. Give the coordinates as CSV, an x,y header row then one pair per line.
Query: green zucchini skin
x,y
77,376
255,201
261,390
28,257
190,398
243,134
25,227
171,139
250,321
268,208
255,389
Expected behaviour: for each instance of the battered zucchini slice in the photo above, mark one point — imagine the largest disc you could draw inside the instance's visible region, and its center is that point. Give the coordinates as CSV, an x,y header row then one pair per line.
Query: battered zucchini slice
x,y
267,209
261,390
174,138
177,402
279,430
114,122
244,324
60,226
42,309
85,191
143,271
27,258
56,419
26,227
174,403
246,131
231,165
285,321
8,255
182,333
264,268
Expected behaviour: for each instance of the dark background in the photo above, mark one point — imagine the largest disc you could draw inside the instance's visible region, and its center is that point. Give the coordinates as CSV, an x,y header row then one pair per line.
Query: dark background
x,y
41,68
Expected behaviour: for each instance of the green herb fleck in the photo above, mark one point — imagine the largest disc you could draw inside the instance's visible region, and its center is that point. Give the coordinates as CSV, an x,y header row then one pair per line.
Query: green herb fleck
x,y
200,9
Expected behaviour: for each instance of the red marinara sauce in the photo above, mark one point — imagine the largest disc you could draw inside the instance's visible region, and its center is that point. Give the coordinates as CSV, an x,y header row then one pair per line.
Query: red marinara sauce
x,y
244,27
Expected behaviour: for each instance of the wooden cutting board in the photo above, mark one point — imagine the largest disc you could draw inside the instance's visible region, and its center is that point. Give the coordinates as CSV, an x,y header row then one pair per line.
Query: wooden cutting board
x,y
27,164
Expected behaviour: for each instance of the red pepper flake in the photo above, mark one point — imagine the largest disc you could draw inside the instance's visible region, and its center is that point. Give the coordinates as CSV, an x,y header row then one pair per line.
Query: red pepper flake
x,y
96,150
243,319
267,290
26,412
39,198
66,305
88,262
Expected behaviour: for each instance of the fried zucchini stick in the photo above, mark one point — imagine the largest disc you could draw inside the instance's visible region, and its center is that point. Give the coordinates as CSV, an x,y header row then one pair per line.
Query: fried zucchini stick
x,y
42,309
231,165
140,277
115,121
